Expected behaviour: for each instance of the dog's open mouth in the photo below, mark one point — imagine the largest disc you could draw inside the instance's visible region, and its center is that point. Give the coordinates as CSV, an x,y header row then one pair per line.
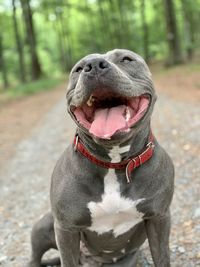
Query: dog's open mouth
x,y
105,115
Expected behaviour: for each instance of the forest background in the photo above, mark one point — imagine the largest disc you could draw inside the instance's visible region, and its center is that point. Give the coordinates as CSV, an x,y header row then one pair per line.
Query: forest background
x,y
42,39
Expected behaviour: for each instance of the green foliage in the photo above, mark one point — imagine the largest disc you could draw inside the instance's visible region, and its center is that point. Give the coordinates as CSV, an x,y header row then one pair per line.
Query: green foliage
x,y
66,30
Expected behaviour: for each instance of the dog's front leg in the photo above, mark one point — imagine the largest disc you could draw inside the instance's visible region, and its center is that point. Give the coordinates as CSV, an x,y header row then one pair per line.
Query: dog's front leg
x,y
158,229
68,242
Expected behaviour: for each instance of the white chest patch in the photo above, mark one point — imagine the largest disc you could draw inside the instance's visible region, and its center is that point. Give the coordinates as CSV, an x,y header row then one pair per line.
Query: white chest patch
x,y
116,151
113,212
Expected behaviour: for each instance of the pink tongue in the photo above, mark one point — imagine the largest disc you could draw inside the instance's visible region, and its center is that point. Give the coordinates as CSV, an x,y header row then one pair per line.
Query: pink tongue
x,y
107,121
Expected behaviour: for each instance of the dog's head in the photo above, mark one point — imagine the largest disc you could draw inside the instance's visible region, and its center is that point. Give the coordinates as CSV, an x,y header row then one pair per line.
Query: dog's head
x,y
111,95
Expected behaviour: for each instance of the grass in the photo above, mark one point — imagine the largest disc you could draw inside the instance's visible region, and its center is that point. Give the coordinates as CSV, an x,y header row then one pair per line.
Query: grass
x,y
30,88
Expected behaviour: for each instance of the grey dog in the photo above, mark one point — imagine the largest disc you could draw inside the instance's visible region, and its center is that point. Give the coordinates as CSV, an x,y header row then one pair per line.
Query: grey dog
x,y
112,187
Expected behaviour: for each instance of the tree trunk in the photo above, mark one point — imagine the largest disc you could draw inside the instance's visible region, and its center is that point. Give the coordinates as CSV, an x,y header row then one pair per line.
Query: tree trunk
x,y
115,24
64,41
31,38
19,45
188,28
2,64
65,33
105,35
145,31
91,29
61,48
123,28
175,56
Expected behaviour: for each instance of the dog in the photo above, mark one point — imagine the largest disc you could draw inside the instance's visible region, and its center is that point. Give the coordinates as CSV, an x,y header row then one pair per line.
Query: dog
x,y
113,186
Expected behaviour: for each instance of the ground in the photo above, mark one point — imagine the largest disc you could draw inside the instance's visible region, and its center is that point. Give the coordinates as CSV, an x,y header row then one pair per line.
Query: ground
x,y
35,130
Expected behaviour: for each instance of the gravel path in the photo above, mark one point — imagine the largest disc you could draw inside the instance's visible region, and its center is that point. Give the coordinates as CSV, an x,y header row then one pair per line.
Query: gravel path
x,y
25,180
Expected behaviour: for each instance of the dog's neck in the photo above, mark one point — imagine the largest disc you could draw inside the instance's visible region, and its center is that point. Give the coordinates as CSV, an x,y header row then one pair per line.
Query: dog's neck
x,y
118,152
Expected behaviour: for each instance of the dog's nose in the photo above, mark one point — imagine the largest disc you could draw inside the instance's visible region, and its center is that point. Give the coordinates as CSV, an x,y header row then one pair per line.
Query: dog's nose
x,y
96,64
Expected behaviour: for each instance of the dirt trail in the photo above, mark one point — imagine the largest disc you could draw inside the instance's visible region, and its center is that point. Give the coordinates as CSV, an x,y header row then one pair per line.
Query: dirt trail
x,y
25,178
18,117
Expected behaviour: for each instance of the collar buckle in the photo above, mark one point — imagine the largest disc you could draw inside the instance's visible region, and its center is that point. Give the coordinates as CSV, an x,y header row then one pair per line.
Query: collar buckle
x,y
150,144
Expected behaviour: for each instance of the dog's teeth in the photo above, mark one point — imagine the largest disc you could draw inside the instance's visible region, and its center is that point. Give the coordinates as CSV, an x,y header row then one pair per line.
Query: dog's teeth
x,y
90,101
128,114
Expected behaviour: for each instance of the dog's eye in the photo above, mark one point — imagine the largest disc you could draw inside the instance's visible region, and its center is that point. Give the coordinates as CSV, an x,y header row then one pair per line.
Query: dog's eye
x,y
79,69
126,59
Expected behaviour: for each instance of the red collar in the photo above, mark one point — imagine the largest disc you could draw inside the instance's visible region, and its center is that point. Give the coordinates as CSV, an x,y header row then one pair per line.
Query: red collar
x,y
129,164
